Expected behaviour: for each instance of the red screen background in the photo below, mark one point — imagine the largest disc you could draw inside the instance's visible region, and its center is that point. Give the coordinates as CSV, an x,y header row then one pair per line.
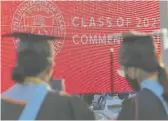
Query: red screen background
x,y
85,67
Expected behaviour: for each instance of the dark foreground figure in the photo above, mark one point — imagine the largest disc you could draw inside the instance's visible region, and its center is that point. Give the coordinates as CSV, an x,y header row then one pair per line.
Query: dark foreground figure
x,y
146,75
55,107
31,98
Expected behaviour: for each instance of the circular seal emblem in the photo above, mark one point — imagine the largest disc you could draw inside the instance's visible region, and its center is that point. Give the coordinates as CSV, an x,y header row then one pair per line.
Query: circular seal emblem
x,y
40,17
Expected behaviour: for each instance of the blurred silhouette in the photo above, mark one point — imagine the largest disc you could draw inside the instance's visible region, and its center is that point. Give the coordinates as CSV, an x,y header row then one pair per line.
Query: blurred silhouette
x,y
146,75
32,98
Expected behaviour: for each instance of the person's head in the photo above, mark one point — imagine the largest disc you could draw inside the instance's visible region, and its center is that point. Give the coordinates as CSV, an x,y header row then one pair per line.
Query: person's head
x,y
35,57
138,60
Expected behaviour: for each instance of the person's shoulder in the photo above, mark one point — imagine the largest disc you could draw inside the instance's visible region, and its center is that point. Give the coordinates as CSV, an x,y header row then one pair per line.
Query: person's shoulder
x,y
140,97
79,108
145,94
140,94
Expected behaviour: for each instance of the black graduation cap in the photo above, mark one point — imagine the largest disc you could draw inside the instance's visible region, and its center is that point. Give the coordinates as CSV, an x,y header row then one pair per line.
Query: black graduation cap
x,y
29,36
33,51
30,41
138,50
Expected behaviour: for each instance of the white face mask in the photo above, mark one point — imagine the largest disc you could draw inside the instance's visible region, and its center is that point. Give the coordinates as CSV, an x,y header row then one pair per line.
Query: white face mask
x,y
132,82
121,71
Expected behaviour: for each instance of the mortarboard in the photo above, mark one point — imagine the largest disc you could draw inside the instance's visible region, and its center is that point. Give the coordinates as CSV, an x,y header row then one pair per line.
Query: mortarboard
x,y
138,50
30,41
29,36
34,51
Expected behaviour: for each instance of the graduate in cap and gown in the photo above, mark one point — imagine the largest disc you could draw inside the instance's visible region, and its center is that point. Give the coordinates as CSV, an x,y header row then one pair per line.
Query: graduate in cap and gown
x,y
31,98
140,65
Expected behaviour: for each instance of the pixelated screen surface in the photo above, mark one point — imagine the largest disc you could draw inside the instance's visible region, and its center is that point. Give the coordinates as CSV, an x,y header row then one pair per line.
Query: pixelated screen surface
x,y
83,56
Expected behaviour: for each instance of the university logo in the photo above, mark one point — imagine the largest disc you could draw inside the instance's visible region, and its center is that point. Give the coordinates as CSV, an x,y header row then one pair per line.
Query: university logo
x,y
40,17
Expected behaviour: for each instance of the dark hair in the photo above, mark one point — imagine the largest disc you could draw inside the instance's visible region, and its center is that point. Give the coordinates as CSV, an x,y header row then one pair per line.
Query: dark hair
x,y
18,74
30,63
163,79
